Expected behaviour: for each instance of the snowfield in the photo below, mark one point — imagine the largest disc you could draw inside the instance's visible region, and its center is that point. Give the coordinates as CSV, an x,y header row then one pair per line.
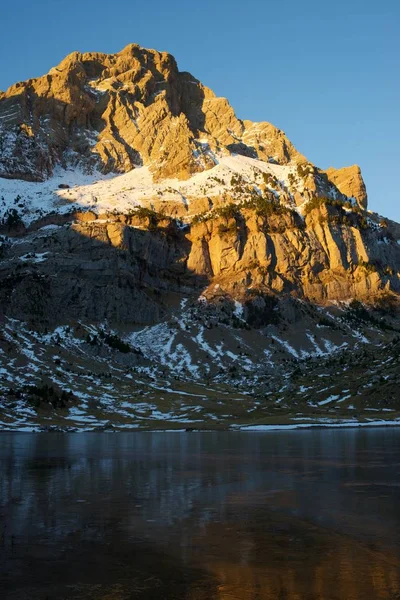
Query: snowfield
x,y
106,193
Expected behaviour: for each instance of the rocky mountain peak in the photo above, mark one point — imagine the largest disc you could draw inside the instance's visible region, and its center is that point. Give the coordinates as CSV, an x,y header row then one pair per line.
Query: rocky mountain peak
x,y
115,112
118,111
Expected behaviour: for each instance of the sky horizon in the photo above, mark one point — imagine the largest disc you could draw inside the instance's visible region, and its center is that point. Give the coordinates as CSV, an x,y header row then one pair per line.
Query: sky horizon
x,y
323,74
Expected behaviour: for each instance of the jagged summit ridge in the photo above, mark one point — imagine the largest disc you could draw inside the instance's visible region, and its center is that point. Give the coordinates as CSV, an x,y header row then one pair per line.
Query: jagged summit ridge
x,y
135,108
129,109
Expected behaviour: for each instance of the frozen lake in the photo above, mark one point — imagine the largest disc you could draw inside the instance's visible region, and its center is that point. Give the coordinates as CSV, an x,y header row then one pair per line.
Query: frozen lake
x,y
311,514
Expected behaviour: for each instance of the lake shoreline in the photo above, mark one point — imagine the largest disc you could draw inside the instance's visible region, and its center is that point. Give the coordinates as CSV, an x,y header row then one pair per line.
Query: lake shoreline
x,y
253,428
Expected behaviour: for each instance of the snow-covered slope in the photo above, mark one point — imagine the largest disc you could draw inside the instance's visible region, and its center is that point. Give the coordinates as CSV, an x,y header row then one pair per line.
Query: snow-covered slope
x,y
107,193
190,373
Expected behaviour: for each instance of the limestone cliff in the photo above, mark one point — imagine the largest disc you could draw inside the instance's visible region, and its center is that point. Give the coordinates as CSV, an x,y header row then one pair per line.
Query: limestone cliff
x,y
122,268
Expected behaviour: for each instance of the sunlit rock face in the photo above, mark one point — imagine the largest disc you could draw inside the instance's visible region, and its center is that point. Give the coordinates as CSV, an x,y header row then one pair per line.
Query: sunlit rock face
x,y
349,182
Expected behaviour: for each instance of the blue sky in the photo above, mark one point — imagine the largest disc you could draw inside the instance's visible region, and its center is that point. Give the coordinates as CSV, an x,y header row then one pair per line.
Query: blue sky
x,y
327,73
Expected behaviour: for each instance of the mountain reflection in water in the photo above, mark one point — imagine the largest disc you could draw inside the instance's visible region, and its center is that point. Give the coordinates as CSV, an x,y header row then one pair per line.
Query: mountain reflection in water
x,y
224,516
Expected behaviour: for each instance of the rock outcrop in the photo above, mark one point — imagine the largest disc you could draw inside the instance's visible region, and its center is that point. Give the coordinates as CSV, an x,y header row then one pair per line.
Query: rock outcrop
x,y
349,182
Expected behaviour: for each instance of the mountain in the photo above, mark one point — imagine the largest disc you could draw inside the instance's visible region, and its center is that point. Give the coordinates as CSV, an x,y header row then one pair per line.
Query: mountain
x,y
120,111
155,245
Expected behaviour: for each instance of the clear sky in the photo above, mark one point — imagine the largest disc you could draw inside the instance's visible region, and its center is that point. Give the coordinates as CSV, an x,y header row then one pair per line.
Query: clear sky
x,y
327,73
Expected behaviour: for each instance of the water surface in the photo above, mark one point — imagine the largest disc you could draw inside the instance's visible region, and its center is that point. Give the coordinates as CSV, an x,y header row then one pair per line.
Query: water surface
x,y
229,516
